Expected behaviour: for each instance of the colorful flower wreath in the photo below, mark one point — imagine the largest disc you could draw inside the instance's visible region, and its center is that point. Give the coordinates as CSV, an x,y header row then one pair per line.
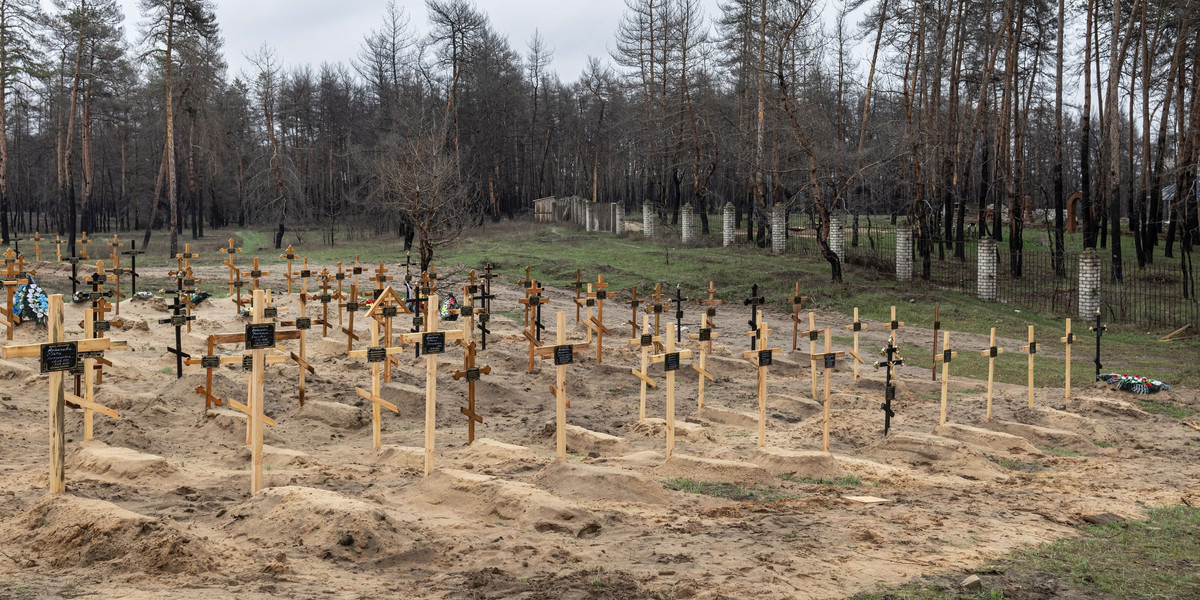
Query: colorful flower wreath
x,y
31,303
1134,383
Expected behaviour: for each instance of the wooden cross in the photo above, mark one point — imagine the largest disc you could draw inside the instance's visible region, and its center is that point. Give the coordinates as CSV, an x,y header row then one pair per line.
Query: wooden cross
x,y
117,272
711,304
356,271
528,281
633,305
857,326
829,359
212,361
290,255
797,306
562,354
754,302
385,307
303,323
656,308
187,284
377,355
892,359
533,304
418,305
937,324
187,255
1031,350
381,278
133,253
484,297
946,358
83,243
1099,330
37,239
408,263
705,335
257,273
578,292
115,255
678,300
762,360
893,327
1069,340
56,358
433,343
670,360
351,308
429,280
12,280
58,242
340,277
597,294
813,334
238,284
467,310
229,252
487,278
178,320
471,373
325,298
991,353
75,281
260,336
531,288
88,400
647,340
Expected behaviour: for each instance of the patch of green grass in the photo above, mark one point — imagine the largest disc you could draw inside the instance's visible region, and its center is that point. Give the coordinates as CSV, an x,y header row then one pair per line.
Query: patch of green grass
x,y
1104,444
847,481
1016,465
1059,451
166,370
920,591
727,490
1162,408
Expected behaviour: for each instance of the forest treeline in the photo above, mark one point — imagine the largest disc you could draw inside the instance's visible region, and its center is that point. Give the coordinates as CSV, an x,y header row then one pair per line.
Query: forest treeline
x,y
956,120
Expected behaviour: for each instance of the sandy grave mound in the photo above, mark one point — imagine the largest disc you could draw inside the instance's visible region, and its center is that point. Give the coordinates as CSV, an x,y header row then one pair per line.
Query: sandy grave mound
x,y
489,452
321,523
489,499
810,464
646,459
145,403
845,429
128,431
684,431
729,416
225,425
795,407
988,440
65,531
1045,437
712,469
182,392
1107,408
99,458
327,346
410,399
1059,419
278,458
397,456
792,366
586,441
14,371
334,414
491,397
935,454
594,483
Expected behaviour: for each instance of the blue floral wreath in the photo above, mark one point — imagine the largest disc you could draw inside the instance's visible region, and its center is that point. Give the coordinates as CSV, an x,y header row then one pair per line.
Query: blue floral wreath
x,y
31,303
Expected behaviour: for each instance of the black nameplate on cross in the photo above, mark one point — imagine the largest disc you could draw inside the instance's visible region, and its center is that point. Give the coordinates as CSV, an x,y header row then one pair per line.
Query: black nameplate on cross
x,y
178,320
260,336
433,343
61,356
564,355
754,301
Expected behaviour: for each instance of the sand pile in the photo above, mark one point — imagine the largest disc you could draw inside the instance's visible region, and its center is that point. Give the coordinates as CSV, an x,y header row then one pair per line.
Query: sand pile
x,y
937,455
595,483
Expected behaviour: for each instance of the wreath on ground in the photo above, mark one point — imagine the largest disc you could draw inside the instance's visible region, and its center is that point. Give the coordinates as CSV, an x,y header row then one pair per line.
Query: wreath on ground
x,y
1134,383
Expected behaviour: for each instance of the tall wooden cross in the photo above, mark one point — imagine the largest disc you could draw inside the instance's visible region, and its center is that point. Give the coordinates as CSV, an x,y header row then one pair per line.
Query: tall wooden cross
x,y
325,298
468,310
13,278
238,284
357,271
99,294
377,355
705,335
645,342
56,358
562,354
37,240
484,298
471,373
75,281
178,320
58,242
754,302
133,253
813,335
88,400
1068,340
487,278
892,359
670,360
1099,330
946,358
185,257
829,360
83,244
599,294
991,353
762,360
579,285
187,284
302,323
352,307
711,305
340,277
433,343
256,273
380,278
115,255
894,328
229,252
260,337
797,306
678,300
857,326
384,308
633,305
1031,350
533,304
290,255
656,307
530,288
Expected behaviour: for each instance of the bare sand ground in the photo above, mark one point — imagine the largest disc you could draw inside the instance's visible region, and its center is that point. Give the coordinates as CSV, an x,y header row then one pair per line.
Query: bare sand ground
x,y
158,505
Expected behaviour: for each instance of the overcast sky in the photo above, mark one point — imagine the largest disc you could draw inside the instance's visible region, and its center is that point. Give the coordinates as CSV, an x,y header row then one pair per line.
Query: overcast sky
x,y
316,31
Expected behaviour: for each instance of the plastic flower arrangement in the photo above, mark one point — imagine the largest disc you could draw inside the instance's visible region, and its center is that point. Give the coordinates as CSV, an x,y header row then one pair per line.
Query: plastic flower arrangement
x,y
31,303
1134,383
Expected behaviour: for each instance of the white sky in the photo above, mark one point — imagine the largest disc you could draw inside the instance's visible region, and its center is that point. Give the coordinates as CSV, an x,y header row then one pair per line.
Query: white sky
x,y
316,31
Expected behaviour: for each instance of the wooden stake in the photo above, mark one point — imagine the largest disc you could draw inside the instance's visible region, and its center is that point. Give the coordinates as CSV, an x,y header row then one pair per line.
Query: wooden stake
x,y
1068,340
829,359
991,353
290,255
377,355
255,398
37,239
646,342
229,252
762,360
937,324
562,354
670,360
471,373
857,326
947,357
812,351
58,483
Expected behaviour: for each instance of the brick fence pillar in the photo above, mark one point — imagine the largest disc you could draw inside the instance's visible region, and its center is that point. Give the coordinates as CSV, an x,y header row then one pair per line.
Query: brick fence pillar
x,y
986,275
778,229
1089,283
687,223
904,245
728,224
647,219
619,220
837,235
589,216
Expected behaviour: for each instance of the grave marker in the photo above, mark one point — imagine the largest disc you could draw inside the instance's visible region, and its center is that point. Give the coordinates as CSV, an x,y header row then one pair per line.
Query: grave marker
x,y
468,311
37,240
670,360
83,243
75,281
857,326
177,320
633,303
1099,330
797,306
472,374
383,309
88,401
352,307
991,353
644,342
678,300
656,308
256,274
578,291
813,334
302,324
754,302
377,355
829,361
596,323
229,252
115,254
1031,350
946,358
290,255
1068,340
706,335
433,342
13,278
533,302
562,354
762,360
892,359
258,333
325,298
484,297
937,324
58,242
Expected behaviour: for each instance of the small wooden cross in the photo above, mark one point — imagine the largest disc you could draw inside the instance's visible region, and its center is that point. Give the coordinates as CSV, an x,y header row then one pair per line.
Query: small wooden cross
x,y
1031,350
325,298
37,239
562,354
471,373
528,281
88,400
302,323
484,298
892,359
596,295
754,302
229,252
705,335
646,341
352,307
1068,340
357,270
186,257
12,280
633,305
797,306
433,343
467,311
656,307
290,255
178,320
762,360
377,355
991,353
56,358
429,280
711,304
670,360
678,300
813,334
894,326
946,358
115,255
384,308
83,243
75,281
533,302
487,278
256,273
857,326
380,278
133,253
829,359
